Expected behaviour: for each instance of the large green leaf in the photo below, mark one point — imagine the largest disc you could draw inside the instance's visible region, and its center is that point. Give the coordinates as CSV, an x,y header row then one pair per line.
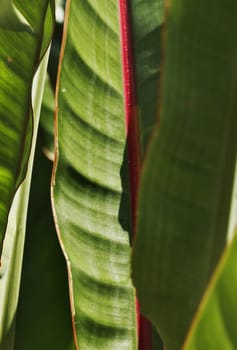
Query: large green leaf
x,y
187,176
214,327
90,192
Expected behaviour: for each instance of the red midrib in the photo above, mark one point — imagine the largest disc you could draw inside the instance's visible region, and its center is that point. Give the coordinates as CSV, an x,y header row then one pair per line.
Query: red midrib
x,y
132,131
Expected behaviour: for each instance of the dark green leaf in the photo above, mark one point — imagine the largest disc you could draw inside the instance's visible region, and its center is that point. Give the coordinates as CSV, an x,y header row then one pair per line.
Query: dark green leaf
x,y
43,315
147,20
187,176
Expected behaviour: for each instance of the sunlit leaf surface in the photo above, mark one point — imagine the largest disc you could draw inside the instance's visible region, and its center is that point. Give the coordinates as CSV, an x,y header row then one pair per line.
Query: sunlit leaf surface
x,y
91,190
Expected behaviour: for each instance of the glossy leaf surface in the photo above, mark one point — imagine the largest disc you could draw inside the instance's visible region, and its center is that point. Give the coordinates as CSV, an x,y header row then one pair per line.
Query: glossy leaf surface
x,y
187,176
91,190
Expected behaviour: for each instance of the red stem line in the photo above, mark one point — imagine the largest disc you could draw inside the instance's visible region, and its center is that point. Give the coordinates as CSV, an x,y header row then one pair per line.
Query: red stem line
x,y
134,156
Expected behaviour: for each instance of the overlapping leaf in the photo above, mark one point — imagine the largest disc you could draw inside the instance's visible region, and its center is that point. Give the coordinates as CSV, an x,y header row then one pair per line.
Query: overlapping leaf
x,y
90,191
187,177
214,326
20,52
147,21
43,315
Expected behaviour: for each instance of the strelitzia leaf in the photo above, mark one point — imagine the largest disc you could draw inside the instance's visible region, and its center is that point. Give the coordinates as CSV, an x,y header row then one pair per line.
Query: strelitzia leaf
x,y
90,193
188,173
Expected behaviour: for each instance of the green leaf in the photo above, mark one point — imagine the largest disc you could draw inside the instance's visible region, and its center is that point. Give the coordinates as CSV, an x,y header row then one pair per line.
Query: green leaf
x,y
19,57
44,310
214,326
18,137
11,18
10,270
188,173
90,192
233,208
147,21
47,121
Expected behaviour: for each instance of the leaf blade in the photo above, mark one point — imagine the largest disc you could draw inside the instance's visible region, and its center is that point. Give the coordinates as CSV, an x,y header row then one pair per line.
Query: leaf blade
x,y
182,226
17,69
214,323
88,189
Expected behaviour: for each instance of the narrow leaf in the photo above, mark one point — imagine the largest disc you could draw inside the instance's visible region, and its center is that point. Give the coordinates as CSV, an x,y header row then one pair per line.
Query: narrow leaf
x,y
147,24
147,19
18,138
19,57
10,270
214,326
47,121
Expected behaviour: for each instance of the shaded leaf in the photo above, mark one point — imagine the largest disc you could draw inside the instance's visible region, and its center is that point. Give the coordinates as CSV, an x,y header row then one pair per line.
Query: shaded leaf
x,y
11,18
188,173
10,270
16,147
43,315
17,68
147,21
